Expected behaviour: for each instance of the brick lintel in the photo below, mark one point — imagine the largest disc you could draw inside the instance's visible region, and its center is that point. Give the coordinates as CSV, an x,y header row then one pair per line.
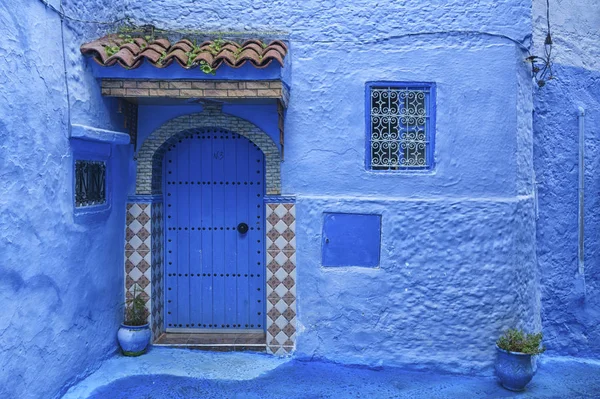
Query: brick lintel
x,y
209,89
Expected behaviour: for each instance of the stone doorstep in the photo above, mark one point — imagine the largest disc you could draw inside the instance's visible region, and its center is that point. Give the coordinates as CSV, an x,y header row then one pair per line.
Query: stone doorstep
x,y
215,342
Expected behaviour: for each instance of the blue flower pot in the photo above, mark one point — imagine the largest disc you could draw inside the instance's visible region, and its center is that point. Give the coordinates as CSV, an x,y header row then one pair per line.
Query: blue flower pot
x,y
515,369
134,339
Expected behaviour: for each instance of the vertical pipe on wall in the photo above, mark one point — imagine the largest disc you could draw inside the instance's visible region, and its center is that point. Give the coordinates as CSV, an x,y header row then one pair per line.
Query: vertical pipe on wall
x,y
580,190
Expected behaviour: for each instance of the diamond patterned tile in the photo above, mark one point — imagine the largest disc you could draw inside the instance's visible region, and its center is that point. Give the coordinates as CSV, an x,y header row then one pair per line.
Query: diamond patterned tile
x,y
280,227
281,274
281,290
281,242
282,306
281,337
135,242
288,282
288,234
143,218
135,226
274,313
129,234
291,245
289,314
135,210
143,266
281,210
273,218
281,258
288,218
289,329
274,298
143,233
289,298
273,282
135,274
288,266
273,266
273,234
128,266
274,329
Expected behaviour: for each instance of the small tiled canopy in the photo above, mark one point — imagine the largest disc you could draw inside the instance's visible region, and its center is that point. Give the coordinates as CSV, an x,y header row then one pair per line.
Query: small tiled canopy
x,y
130,53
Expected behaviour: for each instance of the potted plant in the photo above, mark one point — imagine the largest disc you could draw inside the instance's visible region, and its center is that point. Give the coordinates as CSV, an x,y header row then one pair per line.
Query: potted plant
x,y
516,361
134,333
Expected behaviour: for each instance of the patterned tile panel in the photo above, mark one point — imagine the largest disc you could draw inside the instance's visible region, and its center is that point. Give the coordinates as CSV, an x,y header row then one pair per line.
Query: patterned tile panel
x,y
138,256
281,277
157,270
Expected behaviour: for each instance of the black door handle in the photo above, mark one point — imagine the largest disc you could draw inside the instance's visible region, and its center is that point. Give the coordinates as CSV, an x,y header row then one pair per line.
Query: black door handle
x,y
242,228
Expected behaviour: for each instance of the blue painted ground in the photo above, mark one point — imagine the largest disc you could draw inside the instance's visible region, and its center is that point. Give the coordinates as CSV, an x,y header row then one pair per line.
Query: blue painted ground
x,y
175,373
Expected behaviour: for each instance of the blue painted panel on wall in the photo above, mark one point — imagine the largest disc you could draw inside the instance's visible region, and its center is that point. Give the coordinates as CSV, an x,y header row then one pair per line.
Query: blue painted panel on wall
x,y
214,181
351,239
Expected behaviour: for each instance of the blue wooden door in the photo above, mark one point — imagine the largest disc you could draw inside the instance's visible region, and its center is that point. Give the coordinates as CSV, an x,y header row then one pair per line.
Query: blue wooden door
x,y
214,184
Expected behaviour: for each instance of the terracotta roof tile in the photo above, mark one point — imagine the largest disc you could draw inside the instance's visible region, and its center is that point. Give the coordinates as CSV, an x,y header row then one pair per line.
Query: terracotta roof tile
x,y
161,53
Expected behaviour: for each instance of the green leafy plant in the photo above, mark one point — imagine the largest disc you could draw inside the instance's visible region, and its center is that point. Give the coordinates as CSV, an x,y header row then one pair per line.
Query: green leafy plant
x,y
162,58
216,46
126,38
514,340
237,52
111,50
190,60
136,313
207,69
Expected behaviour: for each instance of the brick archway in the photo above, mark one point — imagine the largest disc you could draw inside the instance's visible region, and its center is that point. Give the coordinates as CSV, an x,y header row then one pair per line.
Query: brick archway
x,y
150,155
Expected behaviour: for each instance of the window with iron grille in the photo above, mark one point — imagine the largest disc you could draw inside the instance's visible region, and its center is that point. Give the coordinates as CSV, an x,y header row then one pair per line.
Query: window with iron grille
x,y
401,126
90,183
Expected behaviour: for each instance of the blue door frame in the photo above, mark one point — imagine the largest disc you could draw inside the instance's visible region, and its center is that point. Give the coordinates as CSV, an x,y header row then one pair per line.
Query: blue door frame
x,y
214,270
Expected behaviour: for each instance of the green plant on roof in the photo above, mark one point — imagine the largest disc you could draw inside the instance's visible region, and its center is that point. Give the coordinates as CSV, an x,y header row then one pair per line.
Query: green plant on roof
x,y
126,38
216,46
237,52
263,44
162,58
206,68
190,60
514,340
111,50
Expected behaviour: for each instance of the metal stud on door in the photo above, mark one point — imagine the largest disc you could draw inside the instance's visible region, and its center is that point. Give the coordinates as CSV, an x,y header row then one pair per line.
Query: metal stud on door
x,y
214,187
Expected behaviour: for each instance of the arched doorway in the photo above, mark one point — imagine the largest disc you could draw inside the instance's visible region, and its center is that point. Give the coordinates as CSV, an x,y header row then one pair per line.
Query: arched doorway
x,y
213,189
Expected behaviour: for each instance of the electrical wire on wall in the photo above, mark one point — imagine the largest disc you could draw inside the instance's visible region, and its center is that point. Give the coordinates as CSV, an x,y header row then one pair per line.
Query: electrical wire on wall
x,y
541,66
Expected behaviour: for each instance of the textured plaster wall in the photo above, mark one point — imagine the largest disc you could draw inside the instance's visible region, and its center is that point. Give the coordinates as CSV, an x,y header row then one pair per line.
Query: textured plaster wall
x,y
570,302
458,243
61,275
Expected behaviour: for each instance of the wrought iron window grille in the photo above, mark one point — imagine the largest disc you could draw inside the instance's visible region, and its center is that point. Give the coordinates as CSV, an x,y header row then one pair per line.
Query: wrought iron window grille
x,y
90,183
400,127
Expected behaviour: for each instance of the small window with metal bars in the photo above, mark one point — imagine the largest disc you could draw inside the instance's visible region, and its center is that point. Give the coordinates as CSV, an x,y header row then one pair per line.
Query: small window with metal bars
x,y
400,126
90,183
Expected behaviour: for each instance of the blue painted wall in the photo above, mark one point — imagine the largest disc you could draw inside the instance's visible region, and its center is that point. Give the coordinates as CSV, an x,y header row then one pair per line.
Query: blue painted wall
x,y
570,302
61,276
458,261
458,243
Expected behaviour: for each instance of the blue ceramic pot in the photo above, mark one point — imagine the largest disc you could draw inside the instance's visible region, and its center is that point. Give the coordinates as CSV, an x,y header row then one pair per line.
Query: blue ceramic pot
x,y
134,339
515,369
